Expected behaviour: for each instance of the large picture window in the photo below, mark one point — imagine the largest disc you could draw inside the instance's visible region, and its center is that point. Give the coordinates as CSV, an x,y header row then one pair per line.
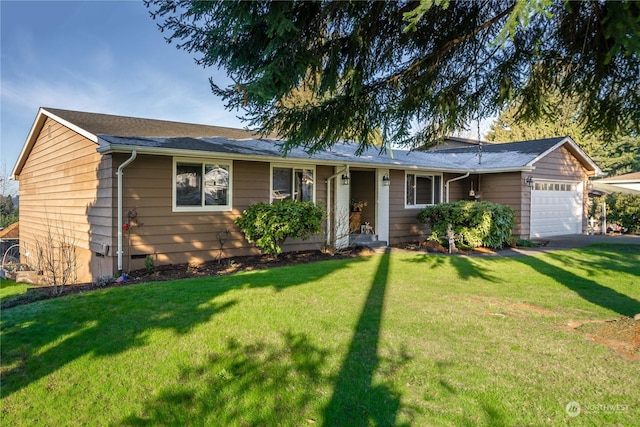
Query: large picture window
x,y
423,190
292,183
201,185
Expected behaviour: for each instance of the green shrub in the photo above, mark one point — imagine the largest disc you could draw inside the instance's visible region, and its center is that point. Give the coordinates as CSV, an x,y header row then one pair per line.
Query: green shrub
x,y
622,209
268,225
476,223
148,264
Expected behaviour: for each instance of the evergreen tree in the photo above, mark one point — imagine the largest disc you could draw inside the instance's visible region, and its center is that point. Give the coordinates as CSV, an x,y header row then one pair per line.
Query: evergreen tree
x,y
615,157
6,205
415,70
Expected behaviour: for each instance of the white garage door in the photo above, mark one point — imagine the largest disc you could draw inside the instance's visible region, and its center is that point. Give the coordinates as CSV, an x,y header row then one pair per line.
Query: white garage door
x,y
556,208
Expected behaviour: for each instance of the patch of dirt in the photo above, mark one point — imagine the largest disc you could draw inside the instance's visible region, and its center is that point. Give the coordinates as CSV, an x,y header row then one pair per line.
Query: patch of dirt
x,y
621,335
423,245
237,264
436,247
534,308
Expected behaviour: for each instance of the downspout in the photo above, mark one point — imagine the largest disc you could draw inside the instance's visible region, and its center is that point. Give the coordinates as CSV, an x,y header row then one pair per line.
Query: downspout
x,y
328,181
454,179
119,175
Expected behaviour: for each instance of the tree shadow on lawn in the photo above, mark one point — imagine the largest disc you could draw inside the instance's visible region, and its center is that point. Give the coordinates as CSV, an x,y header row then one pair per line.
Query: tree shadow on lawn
x,y
465,267
356,401
604,256
40,338
254,384
595,293
265,384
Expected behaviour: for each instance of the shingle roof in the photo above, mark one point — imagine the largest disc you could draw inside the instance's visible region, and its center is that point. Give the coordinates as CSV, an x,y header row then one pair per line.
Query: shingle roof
x,y
340,153
497,156
12,231
509,156
124,134
97,123
633,176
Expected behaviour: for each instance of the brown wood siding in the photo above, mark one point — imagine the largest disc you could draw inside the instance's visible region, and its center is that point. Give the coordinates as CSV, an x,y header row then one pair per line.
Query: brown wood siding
x,y
179,237
459,189
559,164
508,189
403,223
59,187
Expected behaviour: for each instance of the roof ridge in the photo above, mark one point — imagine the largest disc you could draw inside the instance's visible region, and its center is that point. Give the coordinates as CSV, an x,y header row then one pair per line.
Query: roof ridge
x,y
120,116
119,125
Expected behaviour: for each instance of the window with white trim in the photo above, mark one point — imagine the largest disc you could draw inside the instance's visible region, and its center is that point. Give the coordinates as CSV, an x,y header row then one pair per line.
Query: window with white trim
x,y
422,190
292,183
201,185
555,186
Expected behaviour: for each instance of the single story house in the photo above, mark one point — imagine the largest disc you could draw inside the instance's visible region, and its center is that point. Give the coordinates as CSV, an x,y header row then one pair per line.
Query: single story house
x,y
628,183
131,188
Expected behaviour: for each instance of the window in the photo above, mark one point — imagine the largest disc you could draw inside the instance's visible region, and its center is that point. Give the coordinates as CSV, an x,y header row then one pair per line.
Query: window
x,y
201,185
555,186
292,183
422,190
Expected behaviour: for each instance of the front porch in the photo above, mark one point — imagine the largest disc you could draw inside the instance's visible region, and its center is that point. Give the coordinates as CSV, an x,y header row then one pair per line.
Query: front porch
x,y
367,240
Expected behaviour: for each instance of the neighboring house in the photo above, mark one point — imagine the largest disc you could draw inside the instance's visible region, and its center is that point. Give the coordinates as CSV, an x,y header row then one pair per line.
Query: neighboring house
x,y
9,240
628,183
129,188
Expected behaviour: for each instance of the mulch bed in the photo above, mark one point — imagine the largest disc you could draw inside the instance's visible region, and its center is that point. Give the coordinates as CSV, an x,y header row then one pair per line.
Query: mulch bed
x,y
186,271
237,264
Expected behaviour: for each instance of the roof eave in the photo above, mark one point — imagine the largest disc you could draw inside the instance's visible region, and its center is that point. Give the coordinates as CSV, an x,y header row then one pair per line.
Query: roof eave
x,y
109,148
35,130
122,148
526,168
590,166
28,144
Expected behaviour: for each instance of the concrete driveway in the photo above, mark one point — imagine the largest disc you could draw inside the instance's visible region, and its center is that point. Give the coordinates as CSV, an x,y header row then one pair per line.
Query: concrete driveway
x,y
569,242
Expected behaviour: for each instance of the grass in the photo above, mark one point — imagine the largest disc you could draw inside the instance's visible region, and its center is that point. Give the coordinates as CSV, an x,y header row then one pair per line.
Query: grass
x,y
9,288
392,339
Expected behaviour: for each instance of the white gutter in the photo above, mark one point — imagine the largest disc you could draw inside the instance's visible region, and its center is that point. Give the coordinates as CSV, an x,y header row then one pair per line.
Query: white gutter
x,y
446,185
122,148
328,181
119,175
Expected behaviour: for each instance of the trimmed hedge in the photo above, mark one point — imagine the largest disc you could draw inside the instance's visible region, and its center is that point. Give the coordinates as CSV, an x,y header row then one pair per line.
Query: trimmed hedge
x,y
474,223
267,225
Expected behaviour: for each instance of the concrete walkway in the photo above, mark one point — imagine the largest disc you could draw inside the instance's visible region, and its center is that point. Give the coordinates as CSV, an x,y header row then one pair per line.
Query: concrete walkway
x,y
569,242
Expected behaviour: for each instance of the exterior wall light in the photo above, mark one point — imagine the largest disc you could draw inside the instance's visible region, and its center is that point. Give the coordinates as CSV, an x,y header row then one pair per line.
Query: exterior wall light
x,y
345,179
386,181
529,181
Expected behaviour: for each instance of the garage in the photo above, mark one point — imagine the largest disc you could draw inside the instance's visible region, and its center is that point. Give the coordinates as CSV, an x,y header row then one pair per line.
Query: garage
x,y
556,208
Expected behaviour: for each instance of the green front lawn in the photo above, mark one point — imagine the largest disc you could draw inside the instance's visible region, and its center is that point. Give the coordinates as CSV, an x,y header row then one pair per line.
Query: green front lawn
x,y
9,288
392,339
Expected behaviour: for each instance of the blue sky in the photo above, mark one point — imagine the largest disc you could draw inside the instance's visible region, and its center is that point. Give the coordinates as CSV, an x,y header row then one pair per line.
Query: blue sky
x,y
98,56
